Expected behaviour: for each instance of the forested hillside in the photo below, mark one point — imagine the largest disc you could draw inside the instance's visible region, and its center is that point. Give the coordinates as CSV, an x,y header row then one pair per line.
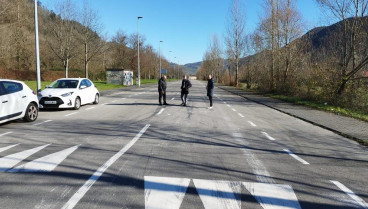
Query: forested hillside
x,y
71,44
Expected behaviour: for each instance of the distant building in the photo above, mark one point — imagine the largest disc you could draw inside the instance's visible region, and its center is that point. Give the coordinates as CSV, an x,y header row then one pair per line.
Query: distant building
x,y
192,77
119,77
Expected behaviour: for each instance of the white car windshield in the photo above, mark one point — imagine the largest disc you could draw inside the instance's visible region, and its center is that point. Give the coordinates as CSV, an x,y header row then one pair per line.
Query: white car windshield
x,y
64,84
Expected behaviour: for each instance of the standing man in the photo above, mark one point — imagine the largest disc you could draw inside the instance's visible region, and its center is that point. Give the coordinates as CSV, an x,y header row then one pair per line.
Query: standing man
x,y
210,89
185,85
162,89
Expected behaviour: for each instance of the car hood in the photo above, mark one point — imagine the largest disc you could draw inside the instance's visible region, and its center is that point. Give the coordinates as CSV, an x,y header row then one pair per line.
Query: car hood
x,y
50,92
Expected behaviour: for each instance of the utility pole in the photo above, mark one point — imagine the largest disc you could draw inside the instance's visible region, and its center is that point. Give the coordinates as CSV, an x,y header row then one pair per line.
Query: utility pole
x,y
139,67
38,69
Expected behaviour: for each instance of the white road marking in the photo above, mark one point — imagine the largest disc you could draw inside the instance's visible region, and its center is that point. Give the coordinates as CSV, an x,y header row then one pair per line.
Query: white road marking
x,y
164,193
296,157
233,109
273,196
241,115
90,108
268,136
46,121
113,101
71,114
252,124
172,98
159,113
219,194
10,161
228,105
224,102
7,147
105,104
357,199
5,134
88,184
47,163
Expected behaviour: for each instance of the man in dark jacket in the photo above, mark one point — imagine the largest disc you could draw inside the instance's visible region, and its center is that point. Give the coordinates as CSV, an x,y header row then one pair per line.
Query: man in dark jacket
x,y
162,89
185,85
210,89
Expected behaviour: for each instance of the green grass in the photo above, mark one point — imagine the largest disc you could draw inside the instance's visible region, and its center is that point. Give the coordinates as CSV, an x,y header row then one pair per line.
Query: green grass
x,y
339,110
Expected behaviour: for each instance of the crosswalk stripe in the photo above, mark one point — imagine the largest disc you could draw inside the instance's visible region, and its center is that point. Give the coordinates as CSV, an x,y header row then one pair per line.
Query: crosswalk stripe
x,y
357,199
10,161
46,163
7,147
164,193
219,194
273,196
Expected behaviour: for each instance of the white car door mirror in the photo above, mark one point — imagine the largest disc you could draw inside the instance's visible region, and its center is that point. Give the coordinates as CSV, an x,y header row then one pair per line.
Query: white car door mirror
x,y
83,87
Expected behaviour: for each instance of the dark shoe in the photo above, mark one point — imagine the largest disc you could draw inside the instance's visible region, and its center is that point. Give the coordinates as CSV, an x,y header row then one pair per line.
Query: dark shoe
x,y
166,104
160,104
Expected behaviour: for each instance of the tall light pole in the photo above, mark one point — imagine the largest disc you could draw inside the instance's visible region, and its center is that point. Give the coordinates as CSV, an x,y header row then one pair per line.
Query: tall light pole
x,y
139,67
38,68
159,52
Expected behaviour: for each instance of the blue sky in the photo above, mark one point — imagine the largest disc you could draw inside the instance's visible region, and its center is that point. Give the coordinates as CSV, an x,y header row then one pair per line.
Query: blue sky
x,y
184,26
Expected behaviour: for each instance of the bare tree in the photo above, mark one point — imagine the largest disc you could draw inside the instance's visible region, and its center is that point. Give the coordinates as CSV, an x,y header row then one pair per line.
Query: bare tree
x,y
90,38
235,36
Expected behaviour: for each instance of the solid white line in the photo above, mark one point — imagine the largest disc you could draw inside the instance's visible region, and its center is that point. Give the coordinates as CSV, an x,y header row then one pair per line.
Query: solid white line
x,y
89,183
296,157
90,108
233,109
164,193
46,121
268,136
70,114
241,115
159,113
5,134
10,161
218,194
8,147
357,199
252,124
45,164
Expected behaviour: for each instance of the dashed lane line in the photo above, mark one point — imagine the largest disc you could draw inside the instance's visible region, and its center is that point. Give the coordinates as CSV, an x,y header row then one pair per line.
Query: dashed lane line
x,y
268,136
233,109
172,99
90,108
228,105
159,113
70,114
357,199
46,121
8,147
296,157
241,115
5,134
89,183
252,124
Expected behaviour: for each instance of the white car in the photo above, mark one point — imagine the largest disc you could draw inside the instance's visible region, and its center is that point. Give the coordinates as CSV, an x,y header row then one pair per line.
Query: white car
x,y
69,93
17,101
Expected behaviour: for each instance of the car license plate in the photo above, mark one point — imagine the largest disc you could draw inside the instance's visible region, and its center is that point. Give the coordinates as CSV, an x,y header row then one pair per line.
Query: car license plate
x,y
50,102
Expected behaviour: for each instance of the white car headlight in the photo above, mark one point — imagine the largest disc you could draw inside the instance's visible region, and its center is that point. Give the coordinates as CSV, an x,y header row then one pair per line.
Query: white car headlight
x,y
67,94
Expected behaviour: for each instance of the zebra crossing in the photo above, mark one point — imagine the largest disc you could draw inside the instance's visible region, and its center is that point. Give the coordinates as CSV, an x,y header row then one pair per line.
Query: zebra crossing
x,y
165,193
43,164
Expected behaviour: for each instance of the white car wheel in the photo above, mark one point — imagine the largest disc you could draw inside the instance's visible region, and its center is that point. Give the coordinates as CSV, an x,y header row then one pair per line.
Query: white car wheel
x,y
77,103
31,113
97,99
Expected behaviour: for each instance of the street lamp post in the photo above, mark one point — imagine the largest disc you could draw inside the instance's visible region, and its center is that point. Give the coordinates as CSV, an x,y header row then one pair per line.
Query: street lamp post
x,y
159,52
139,67
38,68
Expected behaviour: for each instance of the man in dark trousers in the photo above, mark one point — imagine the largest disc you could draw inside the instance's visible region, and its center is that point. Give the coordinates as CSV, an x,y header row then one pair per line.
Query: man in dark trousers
x,y
185,85
162,89
210,89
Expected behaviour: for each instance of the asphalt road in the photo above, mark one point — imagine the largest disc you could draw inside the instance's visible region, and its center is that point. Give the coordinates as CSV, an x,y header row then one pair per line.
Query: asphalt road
x,y
129,152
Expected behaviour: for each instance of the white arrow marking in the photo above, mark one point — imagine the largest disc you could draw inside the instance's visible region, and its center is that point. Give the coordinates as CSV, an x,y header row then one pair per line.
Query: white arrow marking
x,y
8,147
47,163
164,193
357,199
273,196
219,194
10,161
268,136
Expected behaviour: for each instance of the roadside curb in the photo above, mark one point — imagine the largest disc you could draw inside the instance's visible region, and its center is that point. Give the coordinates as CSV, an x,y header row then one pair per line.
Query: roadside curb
x,y
360,141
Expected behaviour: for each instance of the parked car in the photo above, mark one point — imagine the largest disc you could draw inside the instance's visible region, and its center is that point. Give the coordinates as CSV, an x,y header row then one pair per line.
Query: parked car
x,y
17,101
69,93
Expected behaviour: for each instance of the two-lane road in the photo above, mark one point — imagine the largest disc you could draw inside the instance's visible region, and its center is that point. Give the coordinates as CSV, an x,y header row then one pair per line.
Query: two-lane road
x,y
129,152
